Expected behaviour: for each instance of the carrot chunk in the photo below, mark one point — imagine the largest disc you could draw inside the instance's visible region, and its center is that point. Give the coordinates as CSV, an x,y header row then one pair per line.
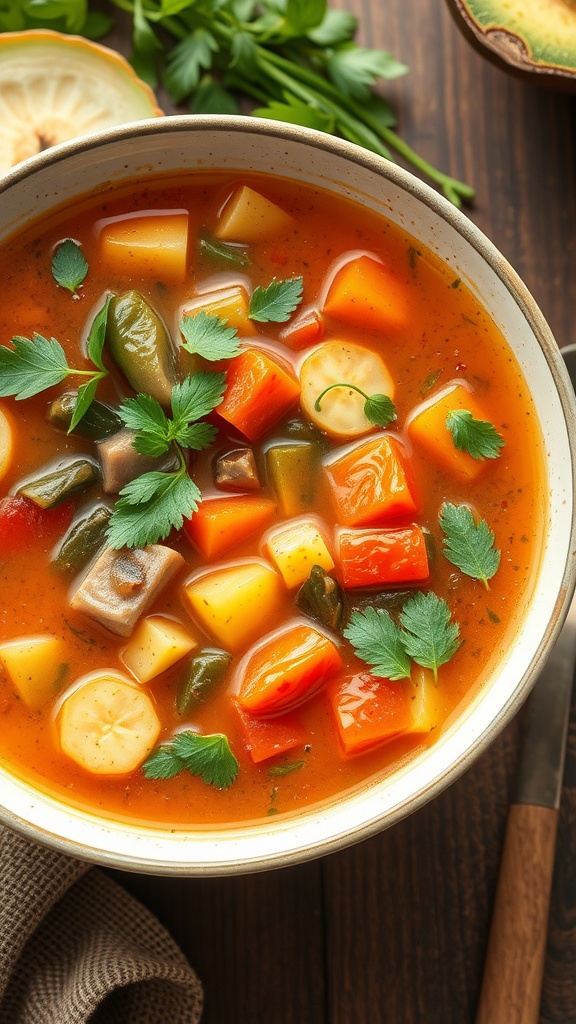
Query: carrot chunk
x,y
286,669
429,433
307,328
368,711
258,393
221,523
365,293
371,558
371,483
265,738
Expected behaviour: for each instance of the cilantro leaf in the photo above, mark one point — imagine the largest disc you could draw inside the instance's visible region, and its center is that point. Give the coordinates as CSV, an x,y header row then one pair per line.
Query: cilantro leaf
x,y
197,436
31,366
276,302
186,61
467,544
150,506
162,763
144,413
380,410
477,437
208,756
197,396
69,268
355,69
97,335
209,336
431,638
336,27
378,641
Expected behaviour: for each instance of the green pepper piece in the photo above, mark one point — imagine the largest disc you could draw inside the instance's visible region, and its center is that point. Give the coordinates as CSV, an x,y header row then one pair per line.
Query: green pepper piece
x,y
53,488
292,470
202,673
99,420
83,539
141,346
303,430
227,253
321,597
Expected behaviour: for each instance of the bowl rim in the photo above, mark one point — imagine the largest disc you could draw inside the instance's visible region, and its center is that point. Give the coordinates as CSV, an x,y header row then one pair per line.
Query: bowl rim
x,y
521,296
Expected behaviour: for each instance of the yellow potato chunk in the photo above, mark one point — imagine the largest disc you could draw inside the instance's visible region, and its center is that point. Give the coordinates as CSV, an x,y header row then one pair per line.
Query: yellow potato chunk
x,y
154,245
36,665
427,707
295,547
6,442
157,644
108,725
230,304
250,217
234,603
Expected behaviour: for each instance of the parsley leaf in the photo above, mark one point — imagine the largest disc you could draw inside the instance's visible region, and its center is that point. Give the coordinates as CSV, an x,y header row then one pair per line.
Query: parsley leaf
x,y
69,268
209,336
208,756
150,506
31,366
276,302
355,69
467,544
197,396
430,637
477,437
186,62
377,639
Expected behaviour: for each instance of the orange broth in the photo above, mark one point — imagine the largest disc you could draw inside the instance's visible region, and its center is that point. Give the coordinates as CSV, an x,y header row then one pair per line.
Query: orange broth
x,y
448,337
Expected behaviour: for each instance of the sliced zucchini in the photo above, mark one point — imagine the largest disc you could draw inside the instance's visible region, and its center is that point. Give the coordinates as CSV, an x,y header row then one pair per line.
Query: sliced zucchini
x,y
341,413
68,479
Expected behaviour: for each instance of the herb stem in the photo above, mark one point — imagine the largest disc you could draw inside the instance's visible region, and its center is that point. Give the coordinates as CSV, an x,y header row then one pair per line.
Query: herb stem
x,y
330,388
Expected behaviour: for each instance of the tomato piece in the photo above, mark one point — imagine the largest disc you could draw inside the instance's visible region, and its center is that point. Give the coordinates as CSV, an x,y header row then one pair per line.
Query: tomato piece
x,y
428,432
221,523
368,711
365,293
258,393
371,483
307,328
23,523
286,669
371,558
266,738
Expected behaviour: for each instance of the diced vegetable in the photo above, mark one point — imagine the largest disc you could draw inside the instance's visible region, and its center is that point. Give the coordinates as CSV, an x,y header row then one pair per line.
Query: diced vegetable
x,y
98,422
427,702
237,471
85,536
371,483
233,603
295,547
229,254
154,245
200,676
305,329
365,293
230,304
51,489
321,597
341,412
157,644
141,346
292,471
370,558
219,524
36,666
286,668
428,432
268,738
108,725
258,393
120,462
368,711
250,217
121,585
23,523
6,442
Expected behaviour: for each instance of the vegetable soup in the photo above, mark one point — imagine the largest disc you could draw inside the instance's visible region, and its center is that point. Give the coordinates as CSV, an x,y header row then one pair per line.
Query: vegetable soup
x,y
273,495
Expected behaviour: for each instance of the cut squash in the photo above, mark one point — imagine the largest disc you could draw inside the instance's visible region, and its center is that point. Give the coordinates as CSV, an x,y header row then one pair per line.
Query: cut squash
x,y
296,546
248,216
230,304
36,666
56,87
153,245
234,602
157,644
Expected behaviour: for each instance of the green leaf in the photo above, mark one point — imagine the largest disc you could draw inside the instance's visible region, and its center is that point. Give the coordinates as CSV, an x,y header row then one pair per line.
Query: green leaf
x,y
296,112
208,756
32,366
186,62
144,413
336,27
197,396
69,268
355,69
97,25
197,436
276,302
431,638
162,763
286,769
84,399
244,53
227,253
209,336
467,544
380,410
303,15
97,335
210,97
73,14
378,641
379,111
477,437
150,506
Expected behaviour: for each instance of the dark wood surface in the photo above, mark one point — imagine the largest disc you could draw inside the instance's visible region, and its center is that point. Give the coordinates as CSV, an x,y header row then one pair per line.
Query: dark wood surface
x,y
394,930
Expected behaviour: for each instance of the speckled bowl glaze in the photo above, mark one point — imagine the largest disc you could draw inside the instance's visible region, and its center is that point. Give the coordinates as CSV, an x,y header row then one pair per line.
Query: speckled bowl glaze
x,y
173,144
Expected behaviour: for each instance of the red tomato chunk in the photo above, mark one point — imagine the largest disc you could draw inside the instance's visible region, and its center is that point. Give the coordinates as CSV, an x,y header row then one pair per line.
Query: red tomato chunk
x,y
368,711
371,558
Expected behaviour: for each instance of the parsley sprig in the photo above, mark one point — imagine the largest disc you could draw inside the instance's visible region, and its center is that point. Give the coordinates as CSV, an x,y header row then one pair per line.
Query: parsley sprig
x,y
208,756
468,544
379,409
276,302
477,437
209,336
69,266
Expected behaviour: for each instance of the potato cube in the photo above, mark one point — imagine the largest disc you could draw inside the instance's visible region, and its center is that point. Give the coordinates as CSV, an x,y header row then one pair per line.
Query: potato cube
x,y
234,603
427,705
428,432
295,547
37,667
152,245
230,304
250,217
157,644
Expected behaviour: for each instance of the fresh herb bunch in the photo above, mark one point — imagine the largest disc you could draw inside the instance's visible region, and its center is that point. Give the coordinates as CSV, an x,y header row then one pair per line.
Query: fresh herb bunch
x,y
296,59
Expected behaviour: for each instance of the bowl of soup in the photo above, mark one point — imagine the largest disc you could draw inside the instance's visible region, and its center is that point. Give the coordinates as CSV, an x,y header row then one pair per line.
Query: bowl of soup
x,y
286,495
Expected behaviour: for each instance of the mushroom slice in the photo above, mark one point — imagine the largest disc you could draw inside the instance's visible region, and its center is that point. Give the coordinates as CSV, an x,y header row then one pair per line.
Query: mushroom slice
x,y
120,462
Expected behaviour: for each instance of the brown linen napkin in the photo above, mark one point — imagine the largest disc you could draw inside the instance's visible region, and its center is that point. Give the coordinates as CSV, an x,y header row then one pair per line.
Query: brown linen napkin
x,y
76,947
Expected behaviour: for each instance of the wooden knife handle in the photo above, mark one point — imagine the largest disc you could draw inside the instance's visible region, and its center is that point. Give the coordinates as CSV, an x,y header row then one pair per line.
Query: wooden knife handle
x,y
514,968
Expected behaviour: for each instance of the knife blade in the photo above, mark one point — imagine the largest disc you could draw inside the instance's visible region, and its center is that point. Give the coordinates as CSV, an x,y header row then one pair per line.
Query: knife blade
x,y
514,968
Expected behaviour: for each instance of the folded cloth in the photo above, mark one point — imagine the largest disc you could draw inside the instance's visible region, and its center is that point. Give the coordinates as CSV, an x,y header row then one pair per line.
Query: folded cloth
x,y
76,947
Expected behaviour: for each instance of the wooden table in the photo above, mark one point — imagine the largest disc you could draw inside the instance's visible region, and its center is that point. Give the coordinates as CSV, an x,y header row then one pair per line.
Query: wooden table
x,y
394,929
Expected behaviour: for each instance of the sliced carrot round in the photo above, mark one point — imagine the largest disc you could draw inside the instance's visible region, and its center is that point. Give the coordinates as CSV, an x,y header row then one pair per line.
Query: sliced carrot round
x,y
55,87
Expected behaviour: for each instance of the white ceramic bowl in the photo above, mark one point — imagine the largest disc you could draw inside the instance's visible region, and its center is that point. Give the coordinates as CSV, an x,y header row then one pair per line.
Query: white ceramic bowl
x,y
179,143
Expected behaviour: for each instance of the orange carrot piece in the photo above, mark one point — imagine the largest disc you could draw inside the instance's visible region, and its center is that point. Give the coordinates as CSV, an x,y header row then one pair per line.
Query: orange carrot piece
x,y
368,711
307,328
429,433
286,669
370,558
221,523
265,738
371,483
258,393
365,293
